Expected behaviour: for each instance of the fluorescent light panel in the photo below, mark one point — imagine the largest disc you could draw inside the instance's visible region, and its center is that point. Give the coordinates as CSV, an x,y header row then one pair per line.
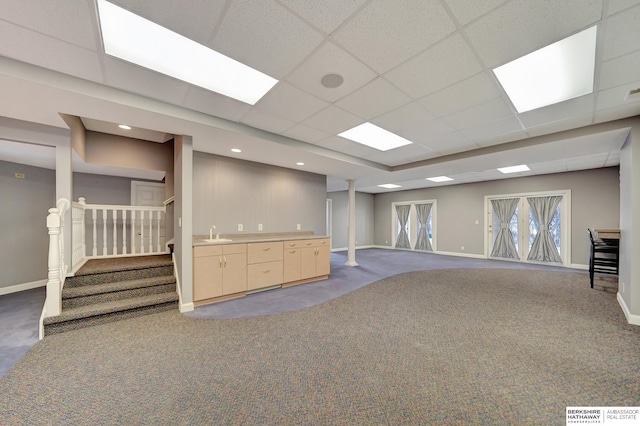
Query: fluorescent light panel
x,y
561,71
390,186
514,169
375,137
439,179
134,39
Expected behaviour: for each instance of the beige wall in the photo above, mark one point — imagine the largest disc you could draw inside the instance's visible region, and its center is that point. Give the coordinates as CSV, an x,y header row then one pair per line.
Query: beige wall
x,y
595,198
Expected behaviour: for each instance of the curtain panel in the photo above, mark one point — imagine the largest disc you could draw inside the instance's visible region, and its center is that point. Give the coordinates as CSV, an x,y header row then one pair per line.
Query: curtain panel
x,y
422,242
403,217
503,245
544,248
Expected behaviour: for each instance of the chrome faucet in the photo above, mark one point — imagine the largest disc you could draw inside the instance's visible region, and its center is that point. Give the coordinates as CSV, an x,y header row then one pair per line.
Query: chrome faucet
x,y
211,233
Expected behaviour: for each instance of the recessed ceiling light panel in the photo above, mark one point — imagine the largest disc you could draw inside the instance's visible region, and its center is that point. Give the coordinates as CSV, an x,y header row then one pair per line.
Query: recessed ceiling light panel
x,y
236,150
514,169
390,186
375,137
134,39
440,179
124,127
300,163
558,72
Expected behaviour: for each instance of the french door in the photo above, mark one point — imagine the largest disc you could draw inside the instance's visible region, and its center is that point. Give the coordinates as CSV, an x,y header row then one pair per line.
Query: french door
x,y
413,225
532,227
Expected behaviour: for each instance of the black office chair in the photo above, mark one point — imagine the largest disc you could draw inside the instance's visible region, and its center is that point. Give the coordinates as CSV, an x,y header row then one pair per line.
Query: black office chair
x,y
604,256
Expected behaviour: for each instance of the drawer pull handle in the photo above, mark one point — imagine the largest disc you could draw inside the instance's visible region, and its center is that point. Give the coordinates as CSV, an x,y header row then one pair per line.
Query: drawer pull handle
x,y
292,251
324,242
309,244
266,249
292,245
266,271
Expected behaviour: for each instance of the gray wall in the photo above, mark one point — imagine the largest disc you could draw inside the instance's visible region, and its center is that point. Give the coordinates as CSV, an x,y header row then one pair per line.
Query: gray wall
x,y
340,219
228,192
23,230
595,198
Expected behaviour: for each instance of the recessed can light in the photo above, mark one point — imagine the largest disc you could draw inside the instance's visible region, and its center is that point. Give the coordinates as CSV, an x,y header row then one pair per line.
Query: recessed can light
x,y
124,127
236,150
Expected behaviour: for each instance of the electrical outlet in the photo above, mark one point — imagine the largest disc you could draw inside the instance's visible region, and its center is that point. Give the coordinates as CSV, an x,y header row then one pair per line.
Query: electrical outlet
x,y
240,227
259,227
386,241
298,227
462,248
477,222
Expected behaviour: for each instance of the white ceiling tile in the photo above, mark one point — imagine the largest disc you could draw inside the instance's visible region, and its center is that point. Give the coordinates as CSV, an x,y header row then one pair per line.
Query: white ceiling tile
x,y
247,35
306,133
388,32
49,52
279,101
614,97
407,121
444,64
326,14
487,112
203,100
135,79
374,99
67,20
466,11
582,105
502,138
552,166
197,21
624,69
626,110
468,93
485,132
616,6
266,121
333,120
450,143
622,34
523,26
331,59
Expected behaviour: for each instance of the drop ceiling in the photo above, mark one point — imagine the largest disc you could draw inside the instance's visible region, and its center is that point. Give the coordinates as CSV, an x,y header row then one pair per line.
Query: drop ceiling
x,y
418,68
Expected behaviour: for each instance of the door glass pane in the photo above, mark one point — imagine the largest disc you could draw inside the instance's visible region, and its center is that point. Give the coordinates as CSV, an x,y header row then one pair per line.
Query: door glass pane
x,y
513,227
554,228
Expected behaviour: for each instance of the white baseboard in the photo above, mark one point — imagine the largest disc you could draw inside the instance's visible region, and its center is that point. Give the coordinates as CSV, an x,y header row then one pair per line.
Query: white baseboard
x,y
631,318
357,248
452,253
21,287
579,266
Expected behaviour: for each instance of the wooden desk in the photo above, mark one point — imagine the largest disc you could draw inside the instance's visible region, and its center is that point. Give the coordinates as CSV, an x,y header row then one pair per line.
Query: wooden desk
x,y
607,234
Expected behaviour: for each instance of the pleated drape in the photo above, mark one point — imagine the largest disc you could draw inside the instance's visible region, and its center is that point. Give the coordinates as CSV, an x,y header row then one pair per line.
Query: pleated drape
x,y
403,216
503,245
422,242
544,248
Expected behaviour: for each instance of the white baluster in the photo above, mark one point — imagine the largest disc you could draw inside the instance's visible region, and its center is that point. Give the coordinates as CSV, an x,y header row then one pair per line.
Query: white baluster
x,y
104,232
82,201
124,232
158,231
150,231
94,216
142,231
133,231
115,236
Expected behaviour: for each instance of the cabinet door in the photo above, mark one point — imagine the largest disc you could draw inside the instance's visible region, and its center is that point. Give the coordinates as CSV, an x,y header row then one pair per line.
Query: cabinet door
x,y
234,273
323,260
307,263
207,277
291,265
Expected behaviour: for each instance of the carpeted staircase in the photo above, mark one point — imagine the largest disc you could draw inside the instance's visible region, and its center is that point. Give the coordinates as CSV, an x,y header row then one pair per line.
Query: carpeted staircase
x,y
106,290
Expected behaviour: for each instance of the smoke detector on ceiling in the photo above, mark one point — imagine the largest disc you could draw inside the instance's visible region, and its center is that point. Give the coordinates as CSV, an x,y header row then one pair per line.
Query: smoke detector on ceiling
x,y
331,81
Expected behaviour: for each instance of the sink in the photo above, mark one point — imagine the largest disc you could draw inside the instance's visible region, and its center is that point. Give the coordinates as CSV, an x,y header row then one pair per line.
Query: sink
x,y
216,240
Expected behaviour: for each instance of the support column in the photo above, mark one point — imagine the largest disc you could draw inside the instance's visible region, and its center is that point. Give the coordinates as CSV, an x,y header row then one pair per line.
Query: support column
x,y
183,218
351,252
64,189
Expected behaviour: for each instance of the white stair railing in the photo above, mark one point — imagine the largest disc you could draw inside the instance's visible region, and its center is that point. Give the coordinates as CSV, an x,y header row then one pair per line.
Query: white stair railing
x,y
57,270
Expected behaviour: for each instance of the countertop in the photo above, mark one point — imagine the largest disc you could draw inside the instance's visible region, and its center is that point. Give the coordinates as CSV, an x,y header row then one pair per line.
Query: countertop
x,y
261,237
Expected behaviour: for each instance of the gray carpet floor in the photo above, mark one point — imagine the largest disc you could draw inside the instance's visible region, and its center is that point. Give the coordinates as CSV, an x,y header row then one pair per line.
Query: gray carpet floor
x,y
481,346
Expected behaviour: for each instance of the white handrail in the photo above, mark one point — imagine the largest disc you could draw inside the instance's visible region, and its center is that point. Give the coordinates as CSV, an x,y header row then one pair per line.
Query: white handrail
x,y
57,270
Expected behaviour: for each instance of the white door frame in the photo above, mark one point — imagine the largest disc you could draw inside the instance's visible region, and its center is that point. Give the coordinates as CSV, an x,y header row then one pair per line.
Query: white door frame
x,y
565,220
413,223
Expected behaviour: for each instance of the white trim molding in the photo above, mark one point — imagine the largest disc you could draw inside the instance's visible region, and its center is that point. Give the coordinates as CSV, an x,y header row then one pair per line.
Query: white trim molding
x,y
183,307
22,287
631,318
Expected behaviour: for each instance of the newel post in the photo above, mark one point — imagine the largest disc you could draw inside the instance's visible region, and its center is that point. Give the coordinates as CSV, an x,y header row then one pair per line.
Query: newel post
x,y
54,283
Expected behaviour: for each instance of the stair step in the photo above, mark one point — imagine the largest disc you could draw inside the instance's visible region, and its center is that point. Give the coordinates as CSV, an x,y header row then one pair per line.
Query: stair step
x,y
98,309
116,276
85,295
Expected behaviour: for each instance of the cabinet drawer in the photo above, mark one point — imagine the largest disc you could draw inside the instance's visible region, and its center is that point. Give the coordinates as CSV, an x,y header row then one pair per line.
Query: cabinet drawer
x,y
265,274
202,251
264,252
318,242
234,248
